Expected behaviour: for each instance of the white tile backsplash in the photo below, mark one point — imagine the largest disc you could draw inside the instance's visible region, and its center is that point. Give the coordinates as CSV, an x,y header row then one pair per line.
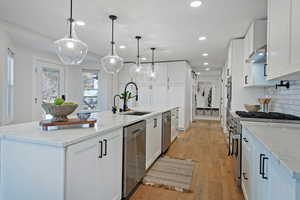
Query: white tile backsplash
x,y
285,100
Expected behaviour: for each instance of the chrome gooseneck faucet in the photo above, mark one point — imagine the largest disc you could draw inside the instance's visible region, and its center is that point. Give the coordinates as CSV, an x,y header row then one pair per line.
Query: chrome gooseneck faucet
x,y
125,108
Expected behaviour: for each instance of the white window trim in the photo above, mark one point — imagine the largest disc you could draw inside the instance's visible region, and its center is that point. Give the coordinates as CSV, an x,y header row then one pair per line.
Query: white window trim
x,y
9,117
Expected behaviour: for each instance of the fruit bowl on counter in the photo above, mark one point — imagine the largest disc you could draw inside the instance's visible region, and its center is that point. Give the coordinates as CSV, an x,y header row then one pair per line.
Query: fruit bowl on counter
x,y
59,110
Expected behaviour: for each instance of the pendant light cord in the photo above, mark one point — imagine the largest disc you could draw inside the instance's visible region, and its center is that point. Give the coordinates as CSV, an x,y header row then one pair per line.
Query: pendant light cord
x,y
113,18
71,18
112,37
152,59
138,49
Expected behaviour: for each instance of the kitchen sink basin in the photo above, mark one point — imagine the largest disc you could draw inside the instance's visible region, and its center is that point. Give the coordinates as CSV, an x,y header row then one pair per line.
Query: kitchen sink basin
x,y
137,113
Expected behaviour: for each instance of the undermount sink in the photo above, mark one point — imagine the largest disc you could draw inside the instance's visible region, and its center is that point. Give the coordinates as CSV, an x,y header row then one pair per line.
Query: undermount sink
x,y
137,113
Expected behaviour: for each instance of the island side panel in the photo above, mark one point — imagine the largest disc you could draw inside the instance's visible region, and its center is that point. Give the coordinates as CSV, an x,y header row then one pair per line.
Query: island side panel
x,y
32,171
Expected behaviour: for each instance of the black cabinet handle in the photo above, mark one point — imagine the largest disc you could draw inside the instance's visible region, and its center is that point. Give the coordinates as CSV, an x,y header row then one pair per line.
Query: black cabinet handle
x,y
263,168
155,123
246,79
105,147
244,176
101,147
245,139
260,163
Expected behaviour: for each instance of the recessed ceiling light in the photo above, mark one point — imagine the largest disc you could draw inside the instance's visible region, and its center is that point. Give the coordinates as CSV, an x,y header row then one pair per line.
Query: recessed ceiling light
x,y
143,58
198,73
205,63
122,47
80,23
195,4
205,54
202,38
207,69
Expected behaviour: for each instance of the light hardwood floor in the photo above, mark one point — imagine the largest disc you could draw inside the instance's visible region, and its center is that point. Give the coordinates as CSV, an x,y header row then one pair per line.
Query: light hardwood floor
x,y
213,177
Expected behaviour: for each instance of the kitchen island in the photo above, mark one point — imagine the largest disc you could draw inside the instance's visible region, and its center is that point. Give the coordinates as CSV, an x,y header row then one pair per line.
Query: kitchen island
x,y
69,163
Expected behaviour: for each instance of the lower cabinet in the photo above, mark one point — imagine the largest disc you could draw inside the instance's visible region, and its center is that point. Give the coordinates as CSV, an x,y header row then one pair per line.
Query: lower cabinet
x,y
94,168
265,178
153,139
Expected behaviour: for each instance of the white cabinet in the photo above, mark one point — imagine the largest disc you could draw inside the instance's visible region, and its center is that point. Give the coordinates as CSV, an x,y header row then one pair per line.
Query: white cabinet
x,y
170,87
256,37
261,171
281,181
153,139
255,73
94,168
283,39
247,183
174,124
263,175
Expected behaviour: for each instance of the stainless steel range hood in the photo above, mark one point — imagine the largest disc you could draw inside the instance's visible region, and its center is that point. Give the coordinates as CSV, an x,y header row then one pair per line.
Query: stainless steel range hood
x,y
258,56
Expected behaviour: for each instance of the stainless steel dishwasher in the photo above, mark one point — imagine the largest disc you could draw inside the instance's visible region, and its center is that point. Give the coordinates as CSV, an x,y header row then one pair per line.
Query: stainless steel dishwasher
x,y
134,157
166,131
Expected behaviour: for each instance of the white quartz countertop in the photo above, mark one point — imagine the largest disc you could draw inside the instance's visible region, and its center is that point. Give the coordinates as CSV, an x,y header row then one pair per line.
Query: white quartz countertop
x,y
106,122
282,140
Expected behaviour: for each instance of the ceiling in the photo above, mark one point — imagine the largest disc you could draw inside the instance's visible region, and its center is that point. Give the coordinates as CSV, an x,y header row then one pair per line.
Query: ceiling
x,y
170,25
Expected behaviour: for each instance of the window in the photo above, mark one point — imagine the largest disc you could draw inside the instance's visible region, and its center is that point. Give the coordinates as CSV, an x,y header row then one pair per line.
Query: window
x,y
50,84
9,88
90,89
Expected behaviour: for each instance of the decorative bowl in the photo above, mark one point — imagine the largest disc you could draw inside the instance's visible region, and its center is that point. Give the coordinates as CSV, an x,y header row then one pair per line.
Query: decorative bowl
x,y
84,116
59,112
252,108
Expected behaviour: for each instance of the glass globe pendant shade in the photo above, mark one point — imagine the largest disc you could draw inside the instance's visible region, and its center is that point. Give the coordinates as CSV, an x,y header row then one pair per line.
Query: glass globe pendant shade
x,y
112,63
70,49
138,70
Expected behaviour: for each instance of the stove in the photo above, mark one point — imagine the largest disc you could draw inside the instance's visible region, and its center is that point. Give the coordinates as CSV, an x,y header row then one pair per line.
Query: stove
x,y
265,115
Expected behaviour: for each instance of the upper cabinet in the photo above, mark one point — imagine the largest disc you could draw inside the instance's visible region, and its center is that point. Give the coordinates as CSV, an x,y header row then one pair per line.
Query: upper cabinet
x,y
255,67
256,37
283,39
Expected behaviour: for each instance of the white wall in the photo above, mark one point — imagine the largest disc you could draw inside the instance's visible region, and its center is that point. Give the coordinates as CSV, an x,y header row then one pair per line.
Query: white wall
x,y
24,79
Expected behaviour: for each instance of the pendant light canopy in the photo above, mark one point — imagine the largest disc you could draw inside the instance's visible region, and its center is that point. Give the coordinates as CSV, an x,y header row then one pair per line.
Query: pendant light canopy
x,y
112,63
151,73
70,49
137,69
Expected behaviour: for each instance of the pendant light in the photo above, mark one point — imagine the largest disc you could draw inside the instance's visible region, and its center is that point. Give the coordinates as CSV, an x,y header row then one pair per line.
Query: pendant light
x,y
70,49
151,73
137,69
112,63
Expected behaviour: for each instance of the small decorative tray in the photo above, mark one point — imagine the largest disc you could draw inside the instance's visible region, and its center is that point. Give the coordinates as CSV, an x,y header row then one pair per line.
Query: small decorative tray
x,y
47,123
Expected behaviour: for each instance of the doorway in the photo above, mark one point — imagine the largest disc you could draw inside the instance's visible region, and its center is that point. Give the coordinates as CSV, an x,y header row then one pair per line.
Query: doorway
x,y
49,83
207,100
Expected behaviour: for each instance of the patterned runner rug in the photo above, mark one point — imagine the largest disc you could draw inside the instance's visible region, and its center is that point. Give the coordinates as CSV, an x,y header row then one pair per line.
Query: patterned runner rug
x,y
170,173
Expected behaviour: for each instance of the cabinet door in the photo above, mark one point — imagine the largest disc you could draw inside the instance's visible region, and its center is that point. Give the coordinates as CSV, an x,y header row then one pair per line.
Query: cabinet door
x,y
283,38
282,185
247,162
160,95
278,37
176,97
261,171
111,166
176,72
82,170
153,139
295,34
